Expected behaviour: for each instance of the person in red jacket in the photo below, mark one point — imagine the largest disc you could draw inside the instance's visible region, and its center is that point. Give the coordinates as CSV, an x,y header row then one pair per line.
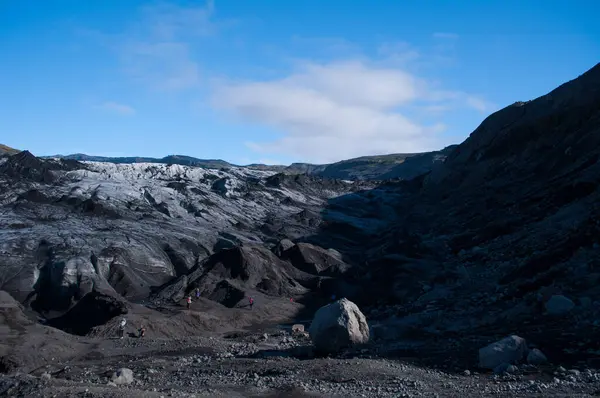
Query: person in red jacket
x,y
251,301
189,302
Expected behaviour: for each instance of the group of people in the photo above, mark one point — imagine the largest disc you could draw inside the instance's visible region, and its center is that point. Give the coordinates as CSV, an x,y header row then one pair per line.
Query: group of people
x,y
188,300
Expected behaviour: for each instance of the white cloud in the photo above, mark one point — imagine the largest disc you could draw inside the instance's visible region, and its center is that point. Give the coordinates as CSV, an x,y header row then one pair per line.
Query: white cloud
x,y
334,111
116,107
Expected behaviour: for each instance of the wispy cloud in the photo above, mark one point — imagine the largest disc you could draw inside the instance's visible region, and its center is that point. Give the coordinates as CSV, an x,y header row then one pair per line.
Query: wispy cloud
x,y
354,106
116,107
332,46
399,53
479,103
161,65
166,21
334,111
155,49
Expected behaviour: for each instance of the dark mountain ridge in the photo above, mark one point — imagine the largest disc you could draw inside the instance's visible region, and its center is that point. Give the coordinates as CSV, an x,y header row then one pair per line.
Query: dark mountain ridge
x,y
508,221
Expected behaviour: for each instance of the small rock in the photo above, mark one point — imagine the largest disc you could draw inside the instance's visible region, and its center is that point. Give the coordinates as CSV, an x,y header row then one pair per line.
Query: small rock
x,y
575,372
536,357
467,373
46,376
505,368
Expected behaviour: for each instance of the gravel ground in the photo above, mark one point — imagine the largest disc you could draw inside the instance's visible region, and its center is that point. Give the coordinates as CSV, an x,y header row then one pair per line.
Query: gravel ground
x,y
272,364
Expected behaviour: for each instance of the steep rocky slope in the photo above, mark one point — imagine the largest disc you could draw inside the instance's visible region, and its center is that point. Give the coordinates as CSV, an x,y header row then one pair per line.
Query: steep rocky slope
x,y
476,248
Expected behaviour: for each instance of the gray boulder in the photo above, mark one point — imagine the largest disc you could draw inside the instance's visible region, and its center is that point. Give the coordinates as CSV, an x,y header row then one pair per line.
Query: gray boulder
x,y
337,326
509,350
122,376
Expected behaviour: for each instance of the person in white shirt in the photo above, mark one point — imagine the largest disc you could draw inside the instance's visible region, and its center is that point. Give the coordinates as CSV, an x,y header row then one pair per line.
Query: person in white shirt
x,y
122,327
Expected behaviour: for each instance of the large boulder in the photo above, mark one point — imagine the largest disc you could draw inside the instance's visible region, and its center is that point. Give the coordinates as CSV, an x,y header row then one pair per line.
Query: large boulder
x,y
509,350
337,326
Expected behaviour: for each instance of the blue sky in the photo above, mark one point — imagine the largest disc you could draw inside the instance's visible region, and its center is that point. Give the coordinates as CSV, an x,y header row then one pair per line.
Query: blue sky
x,y
276,81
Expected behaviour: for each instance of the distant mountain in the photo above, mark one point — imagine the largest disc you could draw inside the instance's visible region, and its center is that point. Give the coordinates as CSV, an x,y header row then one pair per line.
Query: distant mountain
x,y
381,167
171,159
7,151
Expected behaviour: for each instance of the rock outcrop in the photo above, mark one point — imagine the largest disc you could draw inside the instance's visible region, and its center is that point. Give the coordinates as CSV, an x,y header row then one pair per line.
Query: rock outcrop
x,y
229,275
315,260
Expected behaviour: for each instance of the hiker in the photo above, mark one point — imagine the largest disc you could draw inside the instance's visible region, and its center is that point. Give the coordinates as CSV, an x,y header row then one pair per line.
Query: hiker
x,y
141,331
122,327
251,301
189,302
197,293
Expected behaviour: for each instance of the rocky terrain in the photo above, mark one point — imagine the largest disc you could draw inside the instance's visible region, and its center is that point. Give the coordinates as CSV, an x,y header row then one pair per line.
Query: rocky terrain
x,y
479,277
